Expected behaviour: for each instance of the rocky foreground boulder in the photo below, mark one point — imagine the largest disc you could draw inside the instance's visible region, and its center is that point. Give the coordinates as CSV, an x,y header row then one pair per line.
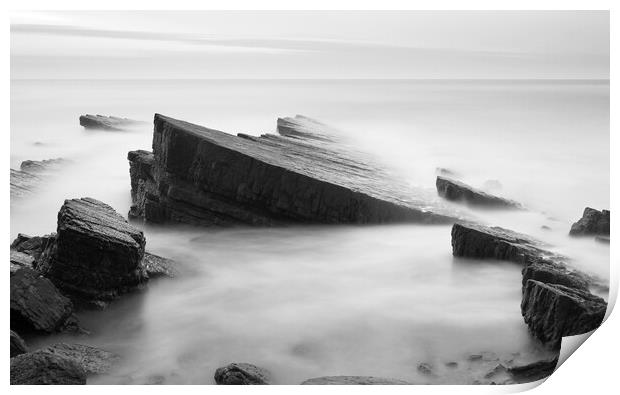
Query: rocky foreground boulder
x,y
552,311
206,177
103,122
353,380
42,367
593,222
96,254
556,299
242,374
37,305
457,191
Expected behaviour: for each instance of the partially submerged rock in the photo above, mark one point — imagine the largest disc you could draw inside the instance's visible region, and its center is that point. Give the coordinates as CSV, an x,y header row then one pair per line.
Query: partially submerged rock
x,y
23,183
552,311
532,371
157,266
550,272
106,122
593,222
92,360
96,253
18,345
36,304
354,380
242,374
42,166
457,191
32,173
206,177
42,367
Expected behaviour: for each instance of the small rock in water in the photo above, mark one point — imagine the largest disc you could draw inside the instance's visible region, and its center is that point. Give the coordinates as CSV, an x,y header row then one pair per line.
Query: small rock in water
x,y
42,166
91,359
242,374
457,191
475,357
353,380
545,227
18,345
425,368
593,222
42,367
106,122
452,364
36,304
532,371
157,266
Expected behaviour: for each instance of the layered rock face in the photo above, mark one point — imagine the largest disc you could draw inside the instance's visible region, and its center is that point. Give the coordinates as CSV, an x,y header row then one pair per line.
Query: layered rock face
x,y
36,304
106,122
457,191
593,222
96,254
242,374
206,177
556,299
552,311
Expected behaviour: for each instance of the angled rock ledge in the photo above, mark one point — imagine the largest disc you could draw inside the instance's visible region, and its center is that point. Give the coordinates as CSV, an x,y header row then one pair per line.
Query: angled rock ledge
x,y
206,177
457,191
106,122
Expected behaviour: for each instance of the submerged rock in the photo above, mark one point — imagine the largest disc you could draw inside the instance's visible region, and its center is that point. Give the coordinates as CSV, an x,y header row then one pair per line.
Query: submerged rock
x,y
18,345
552,311
106,122
157,266
36,304
242,374
42,166
23,183
96,253
206,177
457,191
354,380
92,360
425,368
593,222
42,367
602,239
533,371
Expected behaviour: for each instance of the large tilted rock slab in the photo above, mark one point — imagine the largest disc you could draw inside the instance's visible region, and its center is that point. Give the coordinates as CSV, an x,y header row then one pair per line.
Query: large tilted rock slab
x,y
593,222
96,253
36,304
353,380
106,122
457,191
552,311
242,374
42,367
203,176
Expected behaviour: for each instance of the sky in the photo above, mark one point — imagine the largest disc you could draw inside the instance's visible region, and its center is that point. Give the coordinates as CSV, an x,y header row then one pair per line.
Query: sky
x,y
310,44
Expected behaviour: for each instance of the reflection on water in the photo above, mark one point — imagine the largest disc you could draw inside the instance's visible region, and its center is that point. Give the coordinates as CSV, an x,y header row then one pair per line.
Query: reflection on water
x,y
305,302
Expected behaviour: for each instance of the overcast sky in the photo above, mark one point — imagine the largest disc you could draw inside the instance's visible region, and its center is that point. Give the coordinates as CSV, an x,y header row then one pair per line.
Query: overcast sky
x,y
314,44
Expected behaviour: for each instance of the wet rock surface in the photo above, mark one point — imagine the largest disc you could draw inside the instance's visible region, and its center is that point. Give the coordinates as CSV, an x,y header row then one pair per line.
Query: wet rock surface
x,y
107,122
552,311
242,374
92,360
206,177
593,222
18,345
460,192
42,367
532,371
96,253
354,380
37,305
157,266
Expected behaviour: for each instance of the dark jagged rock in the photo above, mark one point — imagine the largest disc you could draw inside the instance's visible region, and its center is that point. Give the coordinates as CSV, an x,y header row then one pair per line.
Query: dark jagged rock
x,y
593,222
36,304
242,374
31,245
354,380
42,367
22,183
552,311
533,371
550,272
96,253
42,166
457,191
157,266
106,122
92,360
18,345
206,177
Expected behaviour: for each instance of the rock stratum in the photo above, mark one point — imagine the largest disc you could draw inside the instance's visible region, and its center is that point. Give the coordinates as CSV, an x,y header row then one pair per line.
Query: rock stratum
x,y
556,299
458,191
305,174
110,123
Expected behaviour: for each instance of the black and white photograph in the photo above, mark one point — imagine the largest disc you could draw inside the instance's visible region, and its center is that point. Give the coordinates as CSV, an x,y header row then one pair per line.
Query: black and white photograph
x,y
306,197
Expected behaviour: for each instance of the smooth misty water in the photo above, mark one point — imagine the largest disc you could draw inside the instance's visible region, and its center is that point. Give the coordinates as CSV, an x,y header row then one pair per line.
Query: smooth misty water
x,y
313,301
